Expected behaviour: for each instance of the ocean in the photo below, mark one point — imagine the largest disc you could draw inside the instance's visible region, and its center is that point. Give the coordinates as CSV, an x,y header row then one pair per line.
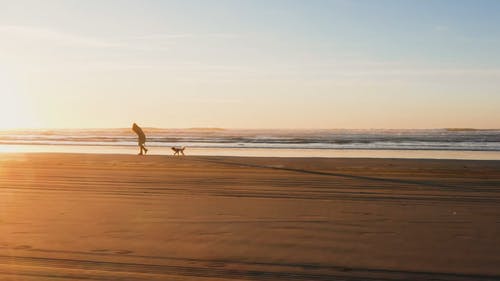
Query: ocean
x,y
243,142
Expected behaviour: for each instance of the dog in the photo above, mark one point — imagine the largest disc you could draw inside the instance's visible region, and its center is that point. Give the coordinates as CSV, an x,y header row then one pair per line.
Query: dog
x,y
178,150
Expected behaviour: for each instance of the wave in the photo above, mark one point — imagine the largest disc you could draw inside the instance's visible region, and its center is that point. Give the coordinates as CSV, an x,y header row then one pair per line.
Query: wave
x,y
436,139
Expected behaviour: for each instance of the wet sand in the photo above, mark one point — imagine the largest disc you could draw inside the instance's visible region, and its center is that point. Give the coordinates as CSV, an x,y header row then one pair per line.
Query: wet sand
x,y
258,152
125,217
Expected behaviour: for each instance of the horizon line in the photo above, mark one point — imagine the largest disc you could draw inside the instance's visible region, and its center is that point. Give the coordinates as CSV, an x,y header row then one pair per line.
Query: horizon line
x,y
253,128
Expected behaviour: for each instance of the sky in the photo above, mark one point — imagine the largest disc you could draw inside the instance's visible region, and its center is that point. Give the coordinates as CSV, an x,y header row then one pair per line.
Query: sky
x,y
250,64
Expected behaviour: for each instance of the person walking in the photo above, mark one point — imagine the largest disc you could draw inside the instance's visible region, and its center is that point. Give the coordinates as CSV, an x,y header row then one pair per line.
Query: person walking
x,y
142,139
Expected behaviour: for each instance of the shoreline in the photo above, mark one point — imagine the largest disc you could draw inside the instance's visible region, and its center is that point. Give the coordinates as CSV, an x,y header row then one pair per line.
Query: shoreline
x,y
17,154
261,152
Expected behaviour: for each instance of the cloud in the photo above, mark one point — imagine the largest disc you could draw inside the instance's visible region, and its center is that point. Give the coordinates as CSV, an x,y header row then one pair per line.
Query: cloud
x,y
19,36
211,100
31,33
173,36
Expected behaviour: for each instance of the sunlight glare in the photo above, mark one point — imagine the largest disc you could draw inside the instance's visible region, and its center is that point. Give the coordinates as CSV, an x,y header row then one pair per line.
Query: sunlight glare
x,y
14,111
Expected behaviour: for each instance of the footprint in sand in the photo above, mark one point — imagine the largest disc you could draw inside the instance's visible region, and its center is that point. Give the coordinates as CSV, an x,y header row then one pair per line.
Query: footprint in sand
x,y
123,252
107,251
100,250
22,247
217,264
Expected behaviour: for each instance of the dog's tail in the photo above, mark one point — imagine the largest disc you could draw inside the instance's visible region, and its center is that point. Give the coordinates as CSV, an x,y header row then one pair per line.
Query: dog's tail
x,y
182,148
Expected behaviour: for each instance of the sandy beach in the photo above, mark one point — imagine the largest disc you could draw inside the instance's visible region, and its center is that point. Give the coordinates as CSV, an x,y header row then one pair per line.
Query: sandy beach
x,y
125,217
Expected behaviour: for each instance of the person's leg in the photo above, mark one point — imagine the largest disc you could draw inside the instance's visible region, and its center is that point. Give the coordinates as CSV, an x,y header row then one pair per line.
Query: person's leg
x,y
142,142
140,149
